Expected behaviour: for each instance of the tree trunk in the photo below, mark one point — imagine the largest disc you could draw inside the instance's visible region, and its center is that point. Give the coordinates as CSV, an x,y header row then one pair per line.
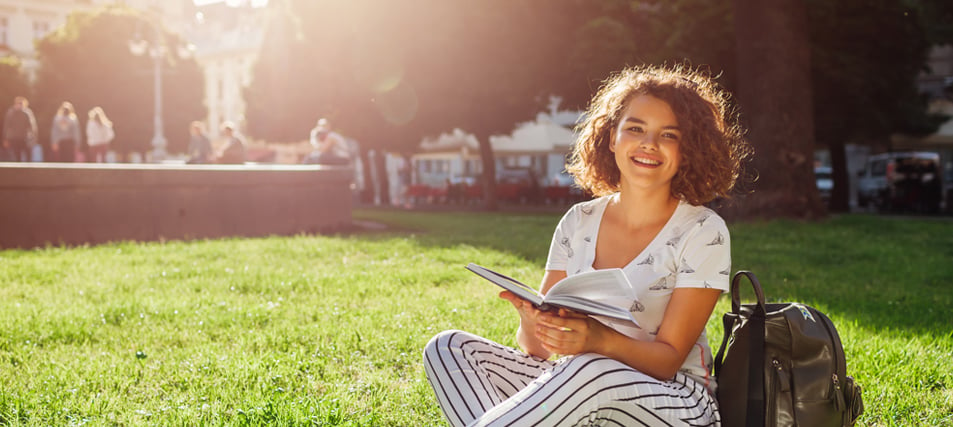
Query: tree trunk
x,y
383,180
367,193
840,194
488,159
774,92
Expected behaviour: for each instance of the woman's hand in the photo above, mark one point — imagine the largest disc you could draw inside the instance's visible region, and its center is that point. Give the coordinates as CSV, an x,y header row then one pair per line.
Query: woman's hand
x,y
529,319
568,333
528,313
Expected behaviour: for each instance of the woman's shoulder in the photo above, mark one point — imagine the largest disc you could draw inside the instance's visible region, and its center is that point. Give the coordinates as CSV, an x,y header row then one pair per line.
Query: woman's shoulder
x,y
699,215
586,211
589,206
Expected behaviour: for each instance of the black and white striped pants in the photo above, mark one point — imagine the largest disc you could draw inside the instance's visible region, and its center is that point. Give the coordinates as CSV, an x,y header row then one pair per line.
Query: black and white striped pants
x,y
479,382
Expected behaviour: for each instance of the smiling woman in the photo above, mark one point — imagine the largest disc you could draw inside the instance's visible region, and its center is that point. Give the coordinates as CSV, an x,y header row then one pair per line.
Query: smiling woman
x,y
657,143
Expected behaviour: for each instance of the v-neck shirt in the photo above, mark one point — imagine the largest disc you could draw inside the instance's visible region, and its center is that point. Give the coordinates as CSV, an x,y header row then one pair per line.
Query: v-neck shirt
x,y
692,250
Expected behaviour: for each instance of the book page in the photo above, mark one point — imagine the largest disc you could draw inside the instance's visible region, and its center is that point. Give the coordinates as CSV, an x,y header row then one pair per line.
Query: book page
x,y
607,286
588,306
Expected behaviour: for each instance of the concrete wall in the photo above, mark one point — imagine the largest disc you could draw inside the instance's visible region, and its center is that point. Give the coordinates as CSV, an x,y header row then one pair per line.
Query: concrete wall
x,y
50,203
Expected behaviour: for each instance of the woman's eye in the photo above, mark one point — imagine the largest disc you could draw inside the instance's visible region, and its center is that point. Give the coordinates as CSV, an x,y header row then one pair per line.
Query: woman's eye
x,y
673,136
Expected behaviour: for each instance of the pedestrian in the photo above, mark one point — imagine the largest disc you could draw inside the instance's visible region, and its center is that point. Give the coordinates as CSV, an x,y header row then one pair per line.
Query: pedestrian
x,y
233,152
329,147
200,148
99,134
657,144
65,135
19,131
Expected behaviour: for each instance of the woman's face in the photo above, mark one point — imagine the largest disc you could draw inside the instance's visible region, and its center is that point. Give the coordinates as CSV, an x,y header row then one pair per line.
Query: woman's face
x,y
646,144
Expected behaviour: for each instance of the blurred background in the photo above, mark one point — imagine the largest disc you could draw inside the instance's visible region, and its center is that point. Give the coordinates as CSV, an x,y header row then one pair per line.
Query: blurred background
x,y
436,96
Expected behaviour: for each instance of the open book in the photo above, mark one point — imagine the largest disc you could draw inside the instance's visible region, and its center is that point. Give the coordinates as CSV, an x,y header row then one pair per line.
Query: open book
x,y
589,293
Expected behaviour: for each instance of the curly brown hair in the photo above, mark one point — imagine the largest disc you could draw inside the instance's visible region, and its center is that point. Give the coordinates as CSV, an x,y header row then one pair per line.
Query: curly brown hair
x,y
712,146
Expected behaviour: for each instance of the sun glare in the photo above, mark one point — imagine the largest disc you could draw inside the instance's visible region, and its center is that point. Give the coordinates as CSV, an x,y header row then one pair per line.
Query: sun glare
x,y
255,3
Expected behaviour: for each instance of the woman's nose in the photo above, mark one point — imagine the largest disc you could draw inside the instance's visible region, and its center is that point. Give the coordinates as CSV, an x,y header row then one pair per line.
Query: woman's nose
x,y
649,141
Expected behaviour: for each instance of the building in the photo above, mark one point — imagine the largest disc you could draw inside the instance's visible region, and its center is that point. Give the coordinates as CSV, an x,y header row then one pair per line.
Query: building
x,y
530,162
23,22
227,40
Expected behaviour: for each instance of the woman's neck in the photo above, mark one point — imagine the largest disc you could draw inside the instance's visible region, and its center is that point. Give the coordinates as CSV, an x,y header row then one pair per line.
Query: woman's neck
x,y
645,208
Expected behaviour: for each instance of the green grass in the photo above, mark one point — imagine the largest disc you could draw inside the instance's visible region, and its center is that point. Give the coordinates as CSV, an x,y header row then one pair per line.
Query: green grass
x,y
328,330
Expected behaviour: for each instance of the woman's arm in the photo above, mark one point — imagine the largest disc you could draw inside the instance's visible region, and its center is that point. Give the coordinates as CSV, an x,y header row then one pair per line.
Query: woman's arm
x,y
684,320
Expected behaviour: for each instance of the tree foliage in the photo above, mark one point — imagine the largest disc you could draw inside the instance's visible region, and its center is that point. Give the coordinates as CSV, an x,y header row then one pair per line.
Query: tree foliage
x,y
774,92
865,57
88,62
392,73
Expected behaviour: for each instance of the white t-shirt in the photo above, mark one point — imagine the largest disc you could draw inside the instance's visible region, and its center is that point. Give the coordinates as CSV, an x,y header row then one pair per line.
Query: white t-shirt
x,y
98,133
691,251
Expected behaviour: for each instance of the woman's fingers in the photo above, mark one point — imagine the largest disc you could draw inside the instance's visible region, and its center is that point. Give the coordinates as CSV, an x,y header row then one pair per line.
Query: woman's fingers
x,y
562,335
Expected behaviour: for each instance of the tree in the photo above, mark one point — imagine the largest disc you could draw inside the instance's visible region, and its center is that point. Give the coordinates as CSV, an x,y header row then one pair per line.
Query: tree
x,y
88,62
774,91
866,59
390,73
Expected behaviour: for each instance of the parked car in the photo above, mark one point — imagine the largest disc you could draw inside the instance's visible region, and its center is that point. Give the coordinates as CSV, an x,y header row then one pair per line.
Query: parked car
x,y
825,182
907,181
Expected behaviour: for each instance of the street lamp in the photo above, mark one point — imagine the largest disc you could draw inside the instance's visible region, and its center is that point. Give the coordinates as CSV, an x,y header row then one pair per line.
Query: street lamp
x,y
157,50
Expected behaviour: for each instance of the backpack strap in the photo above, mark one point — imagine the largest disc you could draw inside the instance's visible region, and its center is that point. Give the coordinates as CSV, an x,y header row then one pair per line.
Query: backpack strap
x,y
755,411
729,322
756,398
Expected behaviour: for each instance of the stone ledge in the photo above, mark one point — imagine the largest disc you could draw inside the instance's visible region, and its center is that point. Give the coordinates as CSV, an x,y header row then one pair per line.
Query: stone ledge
x,y
50,203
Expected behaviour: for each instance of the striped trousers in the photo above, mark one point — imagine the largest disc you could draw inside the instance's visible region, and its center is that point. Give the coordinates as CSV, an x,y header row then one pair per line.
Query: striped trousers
x,y
481,383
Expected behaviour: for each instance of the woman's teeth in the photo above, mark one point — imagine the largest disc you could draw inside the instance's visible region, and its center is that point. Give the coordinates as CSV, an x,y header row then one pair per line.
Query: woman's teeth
x,y
645,161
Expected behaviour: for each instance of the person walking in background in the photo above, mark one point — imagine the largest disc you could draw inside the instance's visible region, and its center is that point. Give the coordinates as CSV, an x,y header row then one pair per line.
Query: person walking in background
x,y
656,145
19,131
99,133
233,152
200,148
65,135
329,147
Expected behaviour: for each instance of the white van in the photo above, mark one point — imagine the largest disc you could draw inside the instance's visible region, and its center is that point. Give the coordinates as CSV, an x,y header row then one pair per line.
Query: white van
x,y
907,181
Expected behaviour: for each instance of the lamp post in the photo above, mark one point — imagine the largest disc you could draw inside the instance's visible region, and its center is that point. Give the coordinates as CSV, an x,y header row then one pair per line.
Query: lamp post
x,y
157,50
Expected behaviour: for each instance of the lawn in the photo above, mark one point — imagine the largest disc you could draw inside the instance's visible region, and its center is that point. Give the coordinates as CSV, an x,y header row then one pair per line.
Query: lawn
x,y
328,330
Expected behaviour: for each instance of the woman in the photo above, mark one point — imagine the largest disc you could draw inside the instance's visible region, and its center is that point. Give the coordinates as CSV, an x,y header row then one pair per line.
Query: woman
x,y
657,143
233,152
99,133
200,147
64,136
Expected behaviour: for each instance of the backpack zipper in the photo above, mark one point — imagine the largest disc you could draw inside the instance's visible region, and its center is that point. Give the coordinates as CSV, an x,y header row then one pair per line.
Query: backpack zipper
x,y
839,400
839,403
782,376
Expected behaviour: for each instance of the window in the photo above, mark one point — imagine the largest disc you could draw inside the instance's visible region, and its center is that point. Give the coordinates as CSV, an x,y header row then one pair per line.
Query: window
x,y
4,28
40,29
221,88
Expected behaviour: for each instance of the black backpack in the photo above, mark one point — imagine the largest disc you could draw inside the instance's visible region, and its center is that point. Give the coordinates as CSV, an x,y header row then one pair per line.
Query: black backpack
x,y
782,365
